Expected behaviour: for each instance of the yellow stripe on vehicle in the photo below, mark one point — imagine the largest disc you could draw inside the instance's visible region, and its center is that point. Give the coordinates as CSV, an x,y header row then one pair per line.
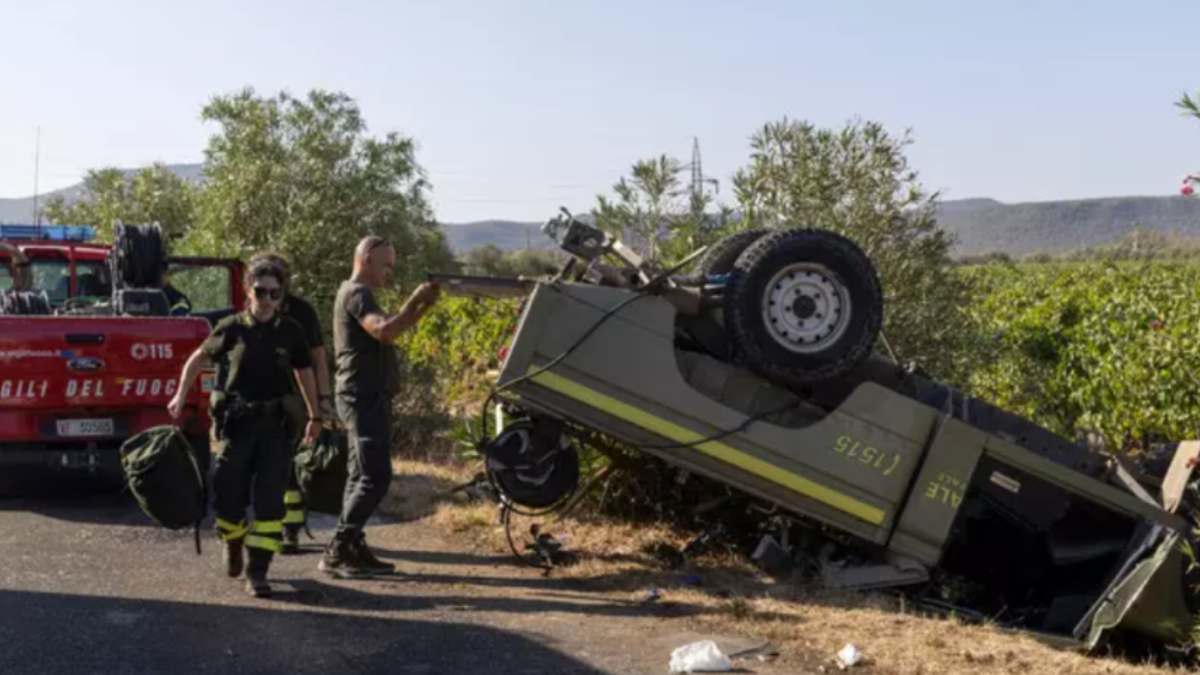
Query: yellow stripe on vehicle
x,y
715,449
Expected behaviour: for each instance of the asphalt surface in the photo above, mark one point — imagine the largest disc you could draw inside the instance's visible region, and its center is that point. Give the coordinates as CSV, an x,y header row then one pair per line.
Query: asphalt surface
x,y
88,584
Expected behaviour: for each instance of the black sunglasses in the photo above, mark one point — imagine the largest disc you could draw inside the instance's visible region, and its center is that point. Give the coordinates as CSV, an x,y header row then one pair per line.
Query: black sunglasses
x,y
262,293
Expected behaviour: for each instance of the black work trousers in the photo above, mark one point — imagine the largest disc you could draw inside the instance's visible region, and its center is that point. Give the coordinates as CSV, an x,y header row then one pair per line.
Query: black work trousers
x,y
252,469
368,422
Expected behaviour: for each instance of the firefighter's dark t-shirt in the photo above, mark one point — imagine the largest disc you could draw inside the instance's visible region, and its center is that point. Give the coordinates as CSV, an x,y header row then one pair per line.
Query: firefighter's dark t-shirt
x,y
299,310
260,355
366,367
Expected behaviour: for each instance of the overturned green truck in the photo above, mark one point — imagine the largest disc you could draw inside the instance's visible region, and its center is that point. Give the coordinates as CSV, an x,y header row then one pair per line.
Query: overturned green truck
x,y
759,371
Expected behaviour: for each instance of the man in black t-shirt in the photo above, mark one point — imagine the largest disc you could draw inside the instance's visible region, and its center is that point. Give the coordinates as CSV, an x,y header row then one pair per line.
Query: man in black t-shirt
x,y
364,386
300,311
263,352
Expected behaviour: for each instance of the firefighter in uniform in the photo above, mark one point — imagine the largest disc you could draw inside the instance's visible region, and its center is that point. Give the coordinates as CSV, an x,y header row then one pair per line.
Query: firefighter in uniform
x,y
264,352
300,311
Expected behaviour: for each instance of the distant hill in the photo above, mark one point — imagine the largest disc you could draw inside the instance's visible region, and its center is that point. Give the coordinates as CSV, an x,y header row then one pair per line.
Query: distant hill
x,y
504,234
981,225
20,209
986,225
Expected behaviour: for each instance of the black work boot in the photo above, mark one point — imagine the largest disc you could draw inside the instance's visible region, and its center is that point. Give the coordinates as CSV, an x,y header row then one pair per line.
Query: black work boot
x,y
367,560
291,540
256,573
232,556
341,558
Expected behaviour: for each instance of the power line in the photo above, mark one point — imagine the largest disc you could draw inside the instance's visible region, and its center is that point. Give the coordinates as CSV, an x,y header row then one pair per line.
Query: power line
x,y
699,180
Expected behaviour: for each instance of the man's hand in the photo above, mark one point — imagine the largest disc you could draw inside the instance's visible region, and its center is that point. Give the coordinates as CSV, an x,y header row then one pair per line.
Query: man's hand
x,y
425,295
325,407
175,407
311,431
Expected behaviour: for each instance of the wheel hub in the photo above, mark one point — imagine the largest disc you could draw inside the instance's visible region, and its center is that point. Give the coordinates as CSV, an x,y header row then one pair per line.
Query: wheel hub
x,y
806,307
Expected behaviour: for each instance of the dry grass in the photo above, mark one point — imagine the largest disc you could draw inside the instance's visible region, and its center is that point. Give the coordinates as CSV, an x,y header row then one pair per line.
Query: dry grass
x,y
734,598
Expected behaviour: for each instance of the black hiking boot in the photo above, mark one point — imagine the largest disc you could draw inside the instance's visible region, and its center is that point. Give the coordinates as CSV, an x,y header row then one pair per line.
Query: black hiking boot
x,y
291,540
341,559
367,560
256,574
232,556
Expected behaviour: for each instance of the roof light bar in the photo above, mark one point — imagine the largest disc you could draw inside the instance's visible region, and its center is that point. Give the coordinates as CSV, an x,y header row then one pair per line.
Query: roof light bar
x,y
48,232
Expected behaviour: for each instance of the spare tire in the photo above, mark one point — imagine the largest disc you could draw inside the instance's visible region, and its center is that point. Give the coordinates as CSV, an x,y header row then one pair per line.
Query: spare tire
x,y
140,255
24,303
803,306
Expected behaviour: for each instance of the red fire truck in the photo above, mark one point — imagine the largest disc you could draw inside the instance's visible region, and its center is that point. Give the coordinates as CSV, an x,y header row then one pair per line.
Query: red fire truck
x,y
90,347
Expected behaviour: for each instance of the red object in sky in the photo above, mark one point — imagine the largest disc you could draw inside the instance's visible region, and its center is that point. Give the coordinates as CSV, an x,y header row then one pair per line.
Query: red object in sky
x,y
1186,190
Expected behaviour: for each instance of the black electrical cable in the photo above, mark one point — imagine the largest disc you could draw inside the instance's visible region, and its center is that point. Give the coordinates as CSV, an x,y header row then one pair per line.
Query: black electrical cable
x,y
508,508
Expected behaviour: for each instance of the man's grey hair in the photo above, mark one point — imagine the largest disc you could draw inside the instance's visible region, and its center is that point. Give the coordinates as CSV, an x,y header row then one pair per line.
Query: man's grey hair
x,y
368,244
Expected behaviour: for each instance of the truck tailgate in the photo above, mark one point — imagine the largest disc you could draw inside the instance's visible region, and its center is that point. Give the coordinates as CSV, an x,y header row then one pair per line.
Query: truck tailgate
x,y
70,378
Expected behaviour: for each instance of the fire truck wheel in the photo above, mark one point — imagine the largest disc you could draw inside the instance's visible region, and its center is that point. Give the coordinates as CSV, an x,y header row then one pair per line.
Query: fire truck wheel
x,y
24,303
140,255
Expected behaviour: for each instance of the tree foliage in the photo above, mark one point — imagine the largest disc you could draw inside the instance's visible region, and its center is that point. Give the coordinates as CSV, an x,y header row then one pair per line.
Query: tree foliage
x,y
152,194
301,176
857,181
653,212
1100,346
1189,105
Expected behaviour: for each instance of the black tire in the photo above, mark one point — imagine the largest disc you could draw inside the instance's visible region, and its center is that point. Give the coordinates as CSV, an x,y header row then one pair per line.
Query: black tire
x,y
720,258
140,255
532,464
828,299
24,303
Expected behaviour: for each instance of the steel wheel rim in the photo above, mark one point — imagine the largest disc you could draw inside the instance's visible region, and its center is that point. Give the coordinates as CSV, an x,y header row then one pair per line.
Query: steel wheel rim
x,y
806,308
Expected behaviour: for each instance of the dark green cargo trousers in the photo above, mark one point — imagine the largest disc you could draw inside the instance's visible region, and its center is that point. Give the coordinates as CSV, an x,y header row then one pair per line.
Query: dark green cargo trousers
x,y
252,471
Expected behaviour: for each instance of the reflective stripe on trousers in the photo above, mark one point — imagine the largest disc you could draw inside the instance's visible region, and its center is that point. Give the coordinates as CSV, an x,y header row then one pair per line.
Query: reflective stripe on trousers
x,y
293,503
266,535
229,531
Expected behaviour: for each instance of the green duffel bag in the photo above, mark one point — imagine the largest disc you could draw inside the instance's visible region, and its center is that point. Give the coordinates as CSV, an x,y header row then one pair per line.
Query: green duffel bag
x,y
321,471
164,473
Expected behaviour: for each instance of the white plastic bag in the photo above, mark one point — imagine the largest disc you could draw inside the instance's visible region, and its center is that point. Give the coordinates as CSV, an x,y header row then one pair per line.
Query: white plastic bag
x,y
699,657
849,656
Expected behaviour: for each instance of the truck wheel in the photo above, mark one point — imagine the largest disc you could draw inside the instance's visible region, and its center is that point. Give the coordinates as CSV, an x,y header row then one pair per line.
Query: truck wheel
x,y
532,463
720,258
24,303
803,306
140,255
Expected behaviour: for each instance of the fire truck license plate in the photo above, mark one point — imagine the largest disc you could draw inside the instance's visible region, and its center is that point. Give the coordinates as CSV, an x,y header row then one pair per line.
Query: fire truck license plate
x,y
85,427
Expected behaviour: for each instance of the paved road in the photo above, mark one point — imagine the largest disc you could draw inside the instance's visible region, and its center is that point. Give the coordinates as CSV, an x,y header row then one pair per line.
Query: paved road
x,y
90,585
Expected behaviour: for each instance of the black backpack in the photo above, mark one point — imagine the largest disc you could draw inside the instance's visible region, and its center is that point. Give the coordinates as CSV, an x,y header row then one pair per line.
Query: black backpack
x,y
166,476
321,471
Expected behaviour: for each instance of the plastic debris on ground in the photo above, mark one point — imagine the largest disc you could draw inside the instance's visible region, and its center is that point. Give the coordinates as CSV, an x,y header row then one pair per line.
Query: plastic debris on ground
x,y
849,656
699,657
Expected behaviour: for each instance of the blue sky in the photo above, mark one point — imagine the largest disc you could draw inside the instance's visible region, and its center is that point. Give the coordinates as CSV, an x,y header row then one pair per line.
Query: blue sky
x,y
518,107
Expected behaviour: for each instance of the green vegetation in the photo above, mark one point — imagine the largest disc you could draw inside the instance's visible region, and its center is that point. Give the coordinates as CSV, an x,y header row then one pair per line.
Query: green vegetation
x,y
1102,347
153,194
1097,340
